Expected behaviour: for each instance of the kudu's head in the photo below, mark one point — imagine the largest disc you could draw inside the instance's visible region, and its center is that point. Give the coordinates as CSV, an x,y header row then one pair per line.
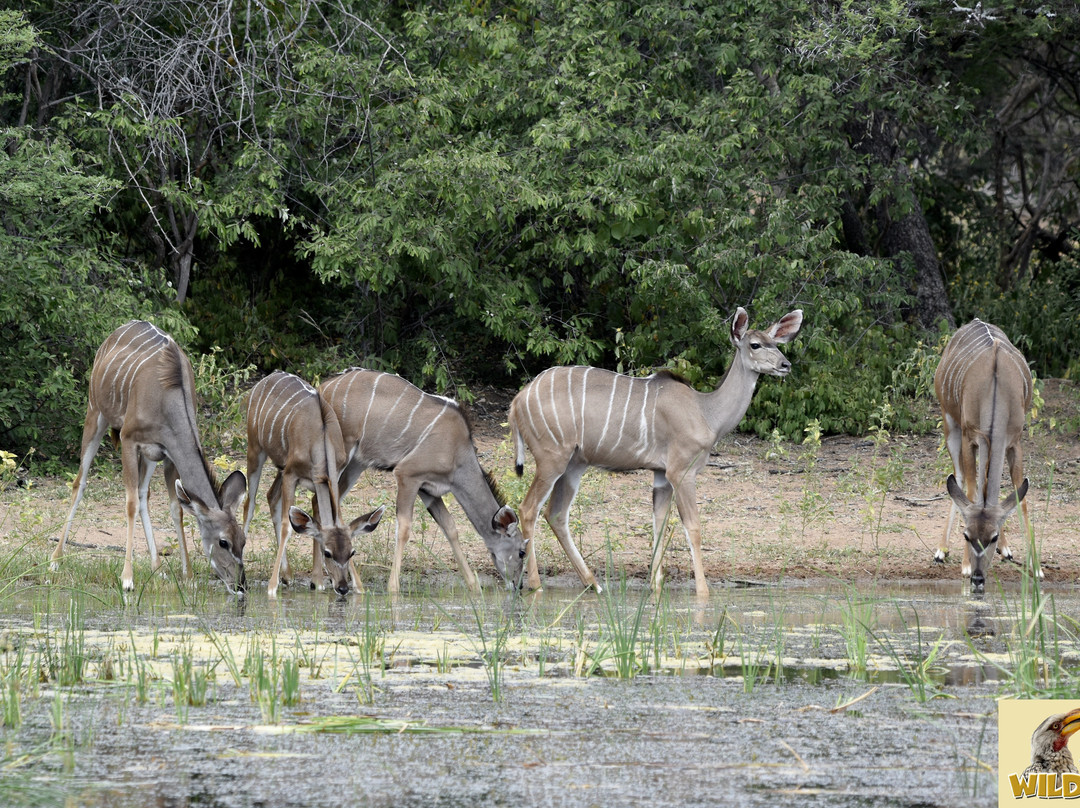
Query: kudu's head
x,y
335,542
507,546
758,348
223,539
982,526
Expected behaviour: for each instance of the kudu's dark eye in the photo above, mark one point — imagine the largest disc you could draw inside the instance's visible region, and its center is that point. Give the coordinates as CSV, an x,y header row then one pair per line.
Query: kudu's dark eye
x,y
755,345
521,553
327,554
223,544
353,553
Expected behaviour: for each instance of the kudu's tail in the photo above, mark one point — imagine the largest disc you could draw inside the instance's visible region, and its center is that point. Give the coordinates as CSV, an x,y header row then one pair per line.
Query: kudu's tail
x,y
515,436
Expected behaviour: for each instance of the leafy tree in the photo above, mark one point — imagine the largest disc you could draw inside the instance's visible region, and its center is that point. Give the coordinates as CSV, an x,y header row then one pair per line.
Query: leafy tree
x,y
61,293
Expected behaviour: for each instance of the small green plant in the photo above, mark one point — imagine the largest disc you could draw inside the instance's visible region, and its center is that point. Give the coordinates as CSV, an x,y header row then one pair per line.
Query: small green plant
x,y
190,683
621,629
716,645
920,671
859,620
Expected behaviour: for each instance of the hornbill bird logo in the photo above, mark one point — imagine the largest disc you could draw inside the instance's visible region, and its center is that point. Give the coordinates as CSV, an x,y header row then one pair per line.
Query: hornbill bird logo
x,y
1049,750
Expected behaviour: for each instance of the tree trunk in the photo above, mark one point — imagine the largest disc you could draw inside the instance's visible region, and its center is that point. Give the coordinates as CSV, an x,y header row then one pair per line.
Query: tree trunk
x,y
908,235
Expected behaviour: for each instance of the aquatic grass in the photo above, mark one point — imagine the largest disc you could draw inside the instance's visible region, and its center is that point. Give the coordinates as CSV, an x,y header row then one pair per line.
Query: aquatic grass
x,y
11,681
290,682
489,645
190,683
621,627
716,644
264,683
493,649
1037,645
67,661
921,670
752,663
859,618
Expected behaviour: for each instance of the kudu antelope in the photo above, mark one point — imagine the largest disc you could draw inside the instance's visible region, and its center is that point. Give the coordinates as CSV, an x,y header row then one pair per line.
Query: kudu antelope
x,y
289,422
575,417
389,424
142,388
984,387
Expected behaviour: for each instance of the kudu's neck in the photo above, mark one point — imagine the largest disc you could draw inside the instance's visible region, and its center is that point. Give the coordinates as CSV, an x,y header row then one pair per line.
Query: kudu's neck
x,y
725,406
475,497
187,456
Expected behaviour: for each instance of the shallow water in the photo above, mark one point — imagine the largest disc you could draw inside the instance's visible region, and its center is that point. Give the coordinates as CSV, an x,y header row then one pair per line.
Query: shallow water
x,y
444,700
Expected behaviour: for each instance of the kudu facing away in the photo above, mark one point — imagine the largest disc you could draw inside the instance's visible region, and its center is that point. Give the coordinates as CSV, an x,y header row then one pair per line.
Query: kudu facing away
x,y
142,388
289,422
389,424
575,417
984,387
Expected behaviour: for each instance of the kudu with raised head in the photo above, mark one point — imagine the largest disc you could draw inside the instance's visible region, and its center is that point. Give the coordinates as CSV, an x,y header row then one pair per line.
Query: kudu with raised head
x,y
289,422
984,387
142,388
575,417
390,424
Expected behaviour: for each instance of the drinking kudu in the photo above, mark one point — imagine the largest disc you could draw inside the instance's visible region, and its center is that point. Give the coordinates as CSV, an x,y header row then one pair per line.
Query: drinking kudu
x,y
984,387
289,422
388,423
575,417
142,389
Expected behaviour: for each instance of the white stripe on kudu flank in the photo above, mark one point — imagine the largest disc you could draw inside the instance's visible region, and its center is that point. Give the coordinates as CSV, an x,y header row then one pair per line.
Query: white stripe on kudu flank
x,y
131,358
555,408
370,406
540,406
268,397
431,426
581,419
408,421
607,418
288,408
116,349
345,397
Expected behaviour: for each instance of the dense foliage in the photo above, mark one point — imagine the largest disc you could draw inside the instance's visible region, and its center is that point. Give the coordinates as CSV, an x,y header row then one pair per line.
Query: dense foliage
x,y
469,192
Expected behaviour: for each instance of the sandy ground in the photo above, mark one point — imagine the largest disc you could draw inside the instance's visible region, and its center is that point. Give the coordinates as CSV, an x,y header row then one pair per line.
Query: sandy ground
x,y
851,510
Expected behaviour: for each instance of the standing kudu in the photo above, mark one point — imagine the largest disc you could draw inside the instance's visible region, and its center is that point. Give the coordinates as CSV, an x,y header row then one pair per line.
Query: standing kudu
x,y
388,423
984,387
575,417
142,388
289,422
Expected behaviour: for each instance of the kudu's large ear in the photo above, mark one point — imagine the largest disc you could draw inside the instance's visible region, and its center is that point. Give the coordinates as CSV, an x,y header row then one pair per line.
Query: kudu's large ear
x,y
304,525
232,489
503,519
785,329
740,323
366,523
957,493
193,505
1010,501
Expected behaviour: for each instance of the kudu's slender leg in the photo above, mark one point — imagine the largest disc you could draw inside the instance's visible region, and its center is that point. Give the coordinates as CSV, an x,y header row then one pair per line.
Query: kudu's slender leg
x,y
662,496
94,428
177,514
407,492
438,510
129,462
146,471
255,461
686,503
280,499
543,481
557,514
